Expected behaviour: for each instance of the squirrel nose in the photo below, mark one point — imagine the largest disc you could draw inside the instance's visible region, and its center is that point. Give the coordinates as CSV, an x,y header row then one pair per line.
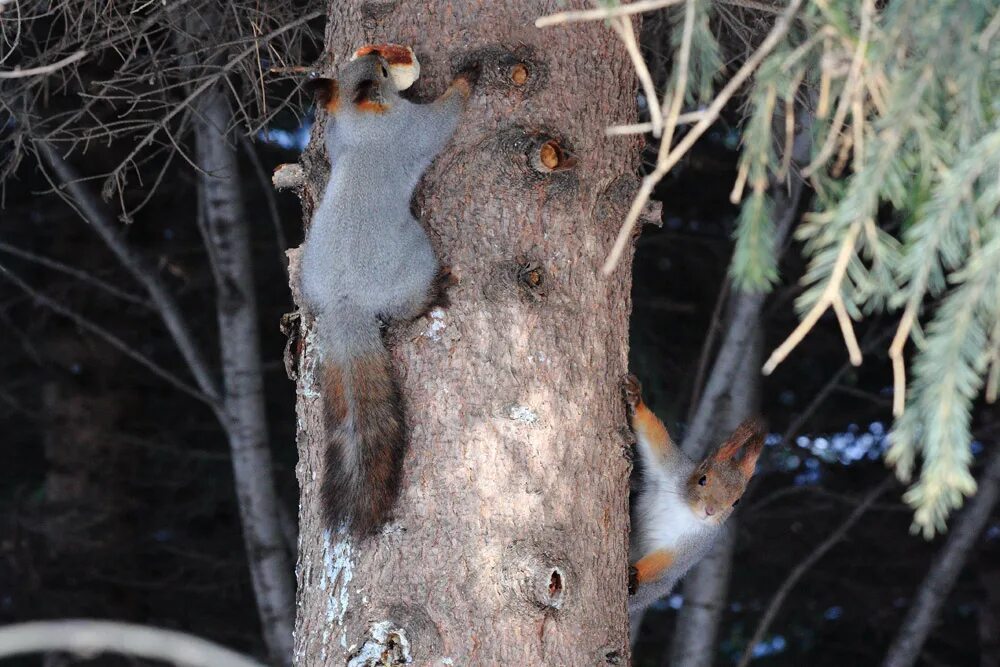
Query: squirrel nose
x,y
709,510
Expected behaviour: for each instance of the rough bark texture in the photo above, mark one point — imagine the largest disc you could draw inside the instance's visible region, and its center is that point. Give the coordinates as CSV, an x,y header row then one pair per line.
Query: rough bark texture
x,y
944,571
227,239
509,544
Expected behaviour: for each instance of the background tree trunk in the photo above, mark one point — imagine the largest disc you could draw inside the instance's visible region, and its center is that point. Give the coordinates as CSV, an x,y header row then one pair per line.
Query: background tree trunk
x,y
934,591
510,539
227,240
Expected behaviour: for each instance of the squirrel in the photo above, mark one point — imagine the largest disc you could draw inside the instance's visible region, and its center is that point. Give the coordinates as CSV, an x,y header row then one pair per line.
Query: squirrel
x,y
366,260
680,505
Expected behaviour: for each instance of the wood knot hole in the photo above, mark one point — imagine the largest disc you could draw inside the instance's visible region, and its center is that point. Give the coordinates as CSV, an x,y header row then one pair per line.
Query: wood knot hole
x,y
551,156
518,73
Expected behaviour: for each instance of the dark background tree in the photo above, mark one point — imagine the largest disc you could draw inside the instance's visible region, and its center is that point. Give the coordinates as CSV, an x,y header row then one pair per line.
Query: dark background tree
x,y
117,490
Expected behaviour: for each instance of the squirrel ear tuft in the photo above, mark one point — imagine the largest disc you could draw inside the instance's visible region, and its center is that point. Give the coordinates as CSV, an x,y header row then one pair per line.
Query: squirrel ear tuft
x,y
745,444
326,92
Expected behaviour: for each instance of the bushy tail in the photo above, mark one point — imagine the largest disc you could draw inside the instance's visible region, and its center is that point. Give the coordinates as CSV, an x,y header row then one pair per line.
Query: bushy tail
x,y
364,423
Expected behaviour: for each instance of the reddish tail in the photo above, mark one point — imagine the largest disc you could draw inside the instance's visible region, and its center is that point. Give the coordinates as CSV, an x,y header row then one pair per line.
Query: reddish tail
x,y
364,423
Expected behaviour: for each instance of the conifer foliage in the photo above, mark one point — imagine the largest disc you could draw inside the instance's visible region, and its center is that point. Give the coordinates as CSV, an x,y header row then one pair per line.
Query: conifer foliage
x,y
903,98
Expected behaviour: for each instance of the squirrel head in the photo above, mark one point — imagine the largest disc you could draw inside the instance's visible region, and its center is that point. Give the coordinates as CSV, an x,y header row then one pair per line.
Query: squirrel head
x,y
715,486
370,82
365,85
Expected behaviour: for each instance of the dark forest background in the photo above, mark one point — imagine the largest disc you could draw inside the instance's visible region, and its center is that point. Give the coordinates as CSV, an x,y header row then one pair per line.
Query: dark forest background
x,y
116,490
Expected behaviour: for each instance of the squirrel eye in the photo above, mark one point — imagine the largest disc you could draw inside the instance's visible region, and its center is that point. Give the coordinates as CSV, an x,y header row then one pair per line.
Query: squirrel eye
x,y
703,481
383,71
736,502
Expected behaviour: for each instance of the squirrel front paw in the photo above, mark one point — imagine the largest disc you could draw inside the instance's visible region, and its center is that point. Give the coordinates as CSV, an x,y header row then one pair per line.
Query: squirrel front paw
x,y
633,579
633,392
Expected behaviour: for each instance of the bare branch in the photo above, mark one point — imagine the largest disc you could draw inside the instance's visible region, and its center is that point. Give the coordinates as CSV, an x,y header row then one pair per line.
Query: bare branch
x,y
642,128
43,69
603,12
106,335
789,583
82,276
88,638
944,571
667,161
164,301
208,82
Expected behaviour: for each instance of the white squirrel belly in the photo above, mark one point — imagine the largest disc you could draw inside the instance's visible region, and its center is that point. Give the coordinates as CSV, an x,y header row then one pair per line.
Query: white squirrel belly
x,y
674,525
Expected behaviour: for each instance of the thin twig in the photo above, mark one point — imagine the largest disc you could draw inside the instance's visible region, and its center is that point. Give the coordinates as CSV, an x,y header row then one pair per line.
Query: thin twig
x,y
826,299
847,330
680,91
43,69
714,327
272,204
82,276
104,334
600,13
88,638
623,28
643,128
664,165
896,355
852,87
779,595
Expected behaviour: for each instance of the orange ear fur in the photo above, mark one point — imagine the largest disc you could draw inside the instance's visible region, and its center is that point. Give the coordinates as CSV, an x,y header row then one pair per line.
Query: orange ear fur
x,y
748,438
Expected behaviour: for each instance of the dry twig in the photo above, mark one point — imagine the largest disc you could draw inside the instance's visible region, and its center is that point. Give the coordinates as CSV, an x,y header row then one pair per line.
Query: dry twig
x,y
666,161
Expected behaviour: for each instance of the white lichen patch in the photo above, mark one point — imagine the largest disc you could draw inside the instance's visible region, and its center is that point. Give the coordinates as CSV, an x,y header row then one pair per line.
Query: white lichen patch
x,y
437,324
539,358
308,371
523,414
385,645
338,570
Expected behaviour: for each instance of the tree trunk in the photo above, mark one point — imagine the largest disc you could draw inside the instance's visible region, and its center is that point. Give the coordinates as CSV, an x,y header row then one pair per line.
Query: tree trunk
x,y
227,241
936,586
509,544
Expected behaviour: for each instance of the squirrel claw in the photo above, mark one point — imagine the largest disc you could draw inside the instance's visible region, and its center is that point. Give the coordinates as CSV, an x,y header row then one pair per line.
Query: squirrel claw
x,y
633,579
633,391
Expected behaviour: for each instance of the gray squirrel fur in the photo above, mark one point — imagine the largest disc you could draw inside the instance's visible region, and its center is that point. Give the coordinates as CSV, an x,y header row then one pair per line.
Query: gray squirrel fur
x,y
366,260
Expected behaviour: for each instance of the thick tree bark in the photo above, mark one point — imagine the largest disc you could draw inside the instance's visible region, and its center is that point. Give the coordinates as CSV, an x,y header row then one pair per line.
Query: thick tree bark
x,y
936,586
227,240
509,544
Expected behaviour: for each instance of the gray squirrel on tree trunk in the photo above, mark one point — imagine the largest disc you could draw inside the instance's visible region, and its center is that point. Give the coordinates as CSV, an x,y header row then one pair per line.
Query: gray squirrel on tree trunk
x,y
366,261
